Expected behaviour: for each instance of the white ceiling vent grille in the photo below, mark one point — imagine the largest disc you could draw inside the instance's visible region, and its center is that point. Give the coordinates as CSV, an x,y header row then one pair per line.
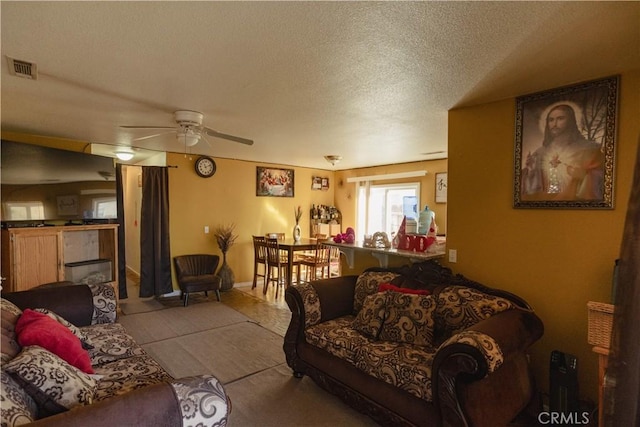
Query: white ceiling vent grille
x,y
26,69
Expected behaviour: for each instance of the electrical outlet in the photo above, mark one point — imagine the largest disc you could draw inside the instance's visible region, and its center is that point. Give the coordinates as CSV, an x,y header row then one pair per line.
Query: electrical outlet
x,y
206,229
453,255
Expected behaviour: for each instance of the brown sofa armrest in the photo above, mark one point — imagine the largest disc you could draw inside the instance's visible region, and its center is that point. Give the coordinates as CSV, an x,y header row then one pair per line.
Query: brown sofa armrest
x,y
199,400
476,353
310,304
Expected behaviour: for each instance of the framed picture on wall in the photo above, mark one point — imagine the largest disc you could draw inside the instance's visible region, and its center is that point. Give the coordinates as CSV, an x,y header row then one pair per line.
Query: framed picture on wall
x,y
274,182
316,183
441,187
564,146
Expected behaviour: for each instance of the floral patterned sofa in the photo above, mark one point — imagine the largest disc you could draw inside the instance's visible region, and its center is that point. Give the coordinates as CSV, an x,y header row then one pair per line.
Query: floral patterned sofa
x,y
436,349
79,367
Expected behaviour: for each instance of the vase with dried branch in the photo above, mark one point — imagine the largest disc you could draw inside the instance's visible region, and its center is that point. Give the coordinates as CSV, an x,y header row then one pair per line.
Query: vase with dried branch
x,y
225,237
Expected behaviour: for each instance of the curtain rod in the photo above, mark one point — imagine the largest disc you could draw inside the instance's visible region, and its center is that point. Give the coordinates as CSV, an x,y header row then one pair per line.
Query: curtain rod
x,y
399,175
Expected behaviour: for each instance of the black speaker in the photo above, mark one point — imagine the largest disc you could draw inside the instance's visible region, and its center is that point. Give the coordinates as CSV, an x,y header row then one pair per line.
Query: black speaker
x,y
563,383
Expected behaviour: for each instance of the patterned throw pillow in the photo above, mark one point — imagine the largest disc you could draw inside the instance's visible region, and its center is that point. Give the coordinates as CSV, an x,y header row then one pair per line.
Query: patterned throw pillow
x,y
409,319
17,406
371,317
460,307
9,345
367,284
35,328
54,385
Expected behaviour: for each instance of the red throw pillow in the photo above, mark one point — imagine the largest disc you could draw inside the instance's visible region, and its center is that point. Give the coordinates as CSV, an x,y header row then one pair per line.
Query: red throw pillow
x,y
390,287
35,328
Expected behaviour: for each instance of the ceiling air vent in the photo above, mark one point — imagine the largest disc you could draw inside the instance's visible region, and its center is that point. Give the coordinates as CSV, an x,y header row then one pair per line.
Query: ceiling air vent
x,y
25,69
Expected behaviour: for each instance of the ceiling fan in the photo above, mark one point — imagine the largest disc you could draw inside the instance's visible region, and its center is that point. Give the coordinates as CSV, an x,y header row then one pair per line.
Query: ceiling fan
x,y
189,130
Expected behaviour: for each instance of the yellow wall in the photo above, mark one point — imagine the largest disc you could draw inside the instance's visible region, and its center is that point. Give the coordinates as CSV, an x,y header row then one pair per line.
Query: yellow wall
x,y
230,197
557,260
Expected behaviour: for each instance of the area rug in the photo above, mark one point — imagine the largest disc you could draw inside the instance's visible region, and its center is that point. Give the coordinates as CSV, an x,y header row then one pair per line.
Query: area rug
x,y
179,321
273,397
140,305
229,352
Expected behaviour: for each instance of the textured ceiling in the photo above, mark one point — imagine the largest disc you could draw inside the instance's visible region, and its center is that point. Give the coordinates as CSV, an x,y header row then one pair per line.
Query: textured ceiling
x,y
370,81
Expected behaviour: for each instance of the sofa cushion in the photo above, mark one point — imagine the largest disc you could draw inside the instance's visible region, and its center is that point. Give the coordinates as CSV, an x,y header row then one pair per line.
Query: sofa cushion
x,y
17,406
408,319
35,328
110,342
371,316
337,337
54,384
9,317
124,375
367,284
405,366
460,307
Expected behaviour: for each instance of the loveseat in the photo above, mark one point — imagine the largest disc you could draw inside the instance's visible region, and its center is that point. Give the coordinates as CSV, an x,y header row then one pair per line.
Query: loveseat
x,y
454,357
81,367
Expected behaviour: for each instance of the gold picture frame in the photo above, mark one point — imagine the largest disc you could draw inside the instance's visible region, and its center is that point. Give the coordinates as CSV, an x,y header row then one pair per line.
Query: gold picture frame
x,y
565,146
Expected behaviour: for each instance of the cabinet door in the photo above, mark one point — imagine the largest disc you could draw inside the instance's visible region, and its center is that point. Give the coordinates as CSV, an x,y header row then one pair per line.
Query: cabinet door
x,y
36,260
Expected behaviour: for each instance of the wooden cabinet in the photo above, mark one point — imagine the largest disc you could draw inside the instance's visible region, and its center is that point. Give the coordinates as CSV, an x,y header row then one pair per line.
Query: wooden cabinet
x,y
33,256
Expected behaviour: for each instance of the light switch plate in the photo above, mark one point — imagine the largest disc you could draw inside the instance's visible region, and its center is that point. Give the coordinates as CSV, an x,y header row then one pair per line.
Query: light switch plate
x,y
453,255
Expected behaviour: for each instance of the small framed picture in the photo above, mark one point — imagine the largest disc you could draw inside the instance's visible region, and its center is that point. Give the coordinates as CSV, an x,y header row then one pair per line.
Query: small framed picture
x,y
441,187
325,183
274,182
316,183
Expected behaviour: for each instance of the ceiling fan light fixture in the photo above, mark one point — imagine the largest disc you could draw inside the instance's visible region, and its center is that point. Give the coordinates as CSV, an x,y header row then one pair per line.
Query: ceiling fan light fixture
x,y
124,155
188,138
333,159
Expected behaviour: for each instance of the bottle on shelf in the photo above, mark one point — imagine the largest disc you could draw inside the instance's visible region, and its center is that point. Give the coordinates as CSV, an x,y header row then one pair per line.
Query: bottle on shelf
x,y
425,219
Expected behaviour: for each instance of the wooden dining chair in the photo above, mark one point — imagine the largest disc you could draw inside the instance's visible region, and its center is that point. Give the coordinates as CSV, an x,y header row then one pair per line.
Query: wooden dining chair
x,y
319,262
259,257
277,262
279,236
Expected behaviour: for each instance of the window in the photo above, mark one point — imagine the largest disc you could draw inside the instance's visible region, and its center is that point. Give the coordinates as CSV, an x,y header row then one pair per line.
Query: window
x,y
20,211
382,207
105,207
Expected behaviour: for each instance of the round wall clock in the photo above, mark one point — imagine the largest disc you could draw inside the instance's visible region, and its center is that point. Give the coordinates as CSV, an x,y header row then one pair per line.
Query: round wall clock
x,y
205,167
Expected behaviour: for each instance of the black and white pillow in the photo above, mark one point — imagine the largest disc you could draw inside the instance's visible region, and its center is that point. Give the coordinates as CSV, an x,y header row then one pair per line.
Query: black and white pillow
x,y
54,385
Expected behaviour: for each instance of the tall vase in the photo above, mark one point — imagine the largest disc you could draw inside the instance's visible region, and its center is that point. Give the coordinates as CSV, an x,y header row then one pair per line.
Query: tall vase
x,y
297,232
227,278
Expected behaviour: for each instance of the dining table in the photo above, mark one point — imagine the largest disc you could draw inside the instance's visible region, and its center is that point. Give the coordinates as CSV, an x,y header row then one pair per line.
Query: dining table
x,y
291,247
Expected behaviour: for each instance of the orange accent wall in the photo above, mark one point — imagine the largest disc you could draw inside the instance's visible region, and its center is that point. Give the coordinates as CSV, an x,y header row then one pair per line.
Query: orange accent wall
x,y
557,260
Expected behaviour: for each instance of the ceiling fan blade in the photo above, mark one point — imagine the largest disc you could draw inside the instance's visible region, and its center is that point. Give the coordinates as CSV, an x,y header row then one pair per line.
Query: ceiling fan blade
x,y
206,140
217,134
147,127
152,136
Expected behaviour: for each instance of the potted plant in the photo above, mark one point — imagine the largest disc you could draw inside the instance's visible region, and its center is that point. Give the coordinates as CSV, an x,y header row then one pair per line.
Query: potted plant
x,y
225,237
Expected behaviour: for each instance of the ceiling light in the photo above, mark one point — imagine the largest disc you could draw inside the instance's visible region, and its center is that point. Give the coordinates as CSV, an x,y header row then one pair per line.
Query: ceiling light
x,y
189,137
333,159
124,155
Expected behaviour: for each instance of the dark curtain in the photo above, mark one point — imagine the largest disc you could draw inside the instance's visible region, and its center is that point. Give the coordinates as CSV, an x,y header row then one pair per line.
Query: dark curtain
x,y
623,399
122,259
155,258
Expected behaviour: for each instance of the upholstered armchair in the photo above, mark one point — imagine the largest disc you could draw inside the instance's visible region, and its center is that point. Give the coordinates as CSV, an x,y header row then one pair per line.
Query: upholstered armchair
x,y
197,273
